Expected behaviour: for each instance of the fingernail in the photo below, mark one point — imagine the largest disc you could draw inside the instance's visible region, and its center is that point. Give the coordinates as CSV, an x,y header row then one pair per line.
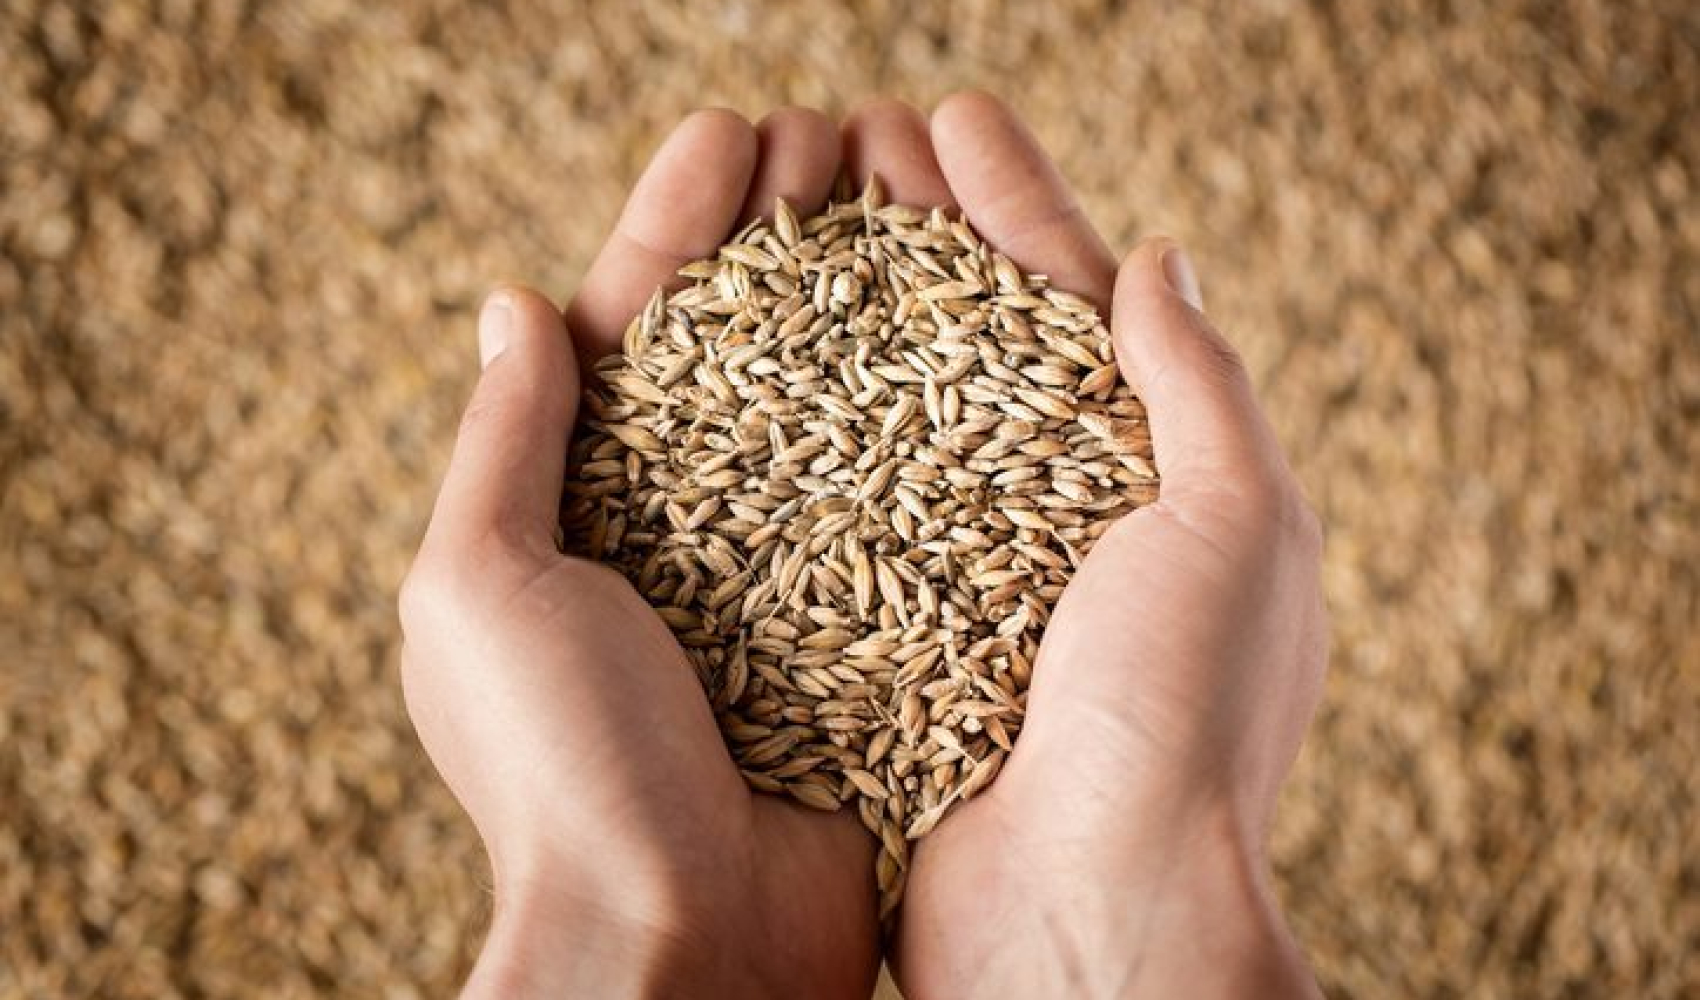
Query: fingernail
x,y
1183,281
495,327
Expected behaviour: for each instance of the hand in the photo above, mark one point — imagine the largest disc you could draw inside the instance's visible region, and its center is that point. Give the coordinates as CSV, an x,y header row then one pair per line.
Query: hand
x,y
1121,850
629,858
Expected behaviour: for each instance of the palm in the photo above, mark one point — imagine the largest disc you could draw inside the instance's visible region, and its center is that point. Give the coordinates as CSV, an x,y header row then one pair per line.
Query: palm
x,y
567,718
556,702
1145,694
1101,734
615,672
710,177
1152,592
597,707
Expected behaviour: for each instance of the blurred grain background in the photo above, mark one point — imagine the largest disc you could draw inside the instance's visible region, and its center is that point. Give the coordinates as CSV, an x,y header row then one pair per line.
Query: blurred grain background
x,y
240,249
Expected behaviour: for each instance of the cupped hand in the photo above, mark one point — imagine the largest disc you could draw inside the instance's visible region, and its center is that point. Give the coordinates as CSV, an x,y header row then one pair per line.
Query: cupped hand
x,y
628,857
1121,850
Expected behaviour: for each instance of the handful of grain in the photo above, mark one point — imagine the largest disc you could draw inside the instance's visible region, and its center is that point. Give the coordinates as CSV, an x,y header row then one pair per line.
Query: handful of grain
x,y
852,466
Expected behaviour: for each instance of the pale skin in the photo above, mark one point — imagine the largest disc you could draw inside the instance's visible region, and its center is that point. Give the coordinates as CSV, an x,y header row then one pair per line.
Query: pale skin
x,y
1121,852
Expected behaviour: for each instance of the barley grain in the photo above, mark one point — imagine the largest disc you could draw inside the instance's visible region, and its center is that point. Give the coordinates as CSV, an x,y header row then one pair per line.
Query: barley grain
x,y
852,464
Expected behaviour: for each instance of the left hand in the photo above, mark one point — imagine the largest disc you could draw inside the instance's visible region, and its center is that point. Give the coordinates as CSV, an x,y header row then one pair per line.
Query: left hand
x,y
1121,851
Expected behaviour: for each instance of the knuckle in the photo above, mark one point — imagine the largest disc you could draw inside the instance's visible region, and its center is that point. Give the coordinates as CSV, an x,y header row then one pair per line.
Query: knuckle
x,y
454,579
1287,516
1289,509
426,596
1261,496
1219,359
418,595
1291,518
1271,511
1303,522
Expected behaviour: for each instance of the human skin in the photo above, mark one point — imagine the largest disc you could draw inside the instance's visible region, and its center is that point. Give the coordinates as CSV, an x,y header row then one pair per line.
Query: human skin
x,y
628,857
1119,853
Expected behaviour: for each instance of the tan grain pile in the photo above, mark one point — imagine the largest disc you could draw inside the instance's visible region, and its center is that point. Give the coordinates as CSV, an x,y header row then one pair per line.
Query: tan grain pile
x,y
853,465
242,245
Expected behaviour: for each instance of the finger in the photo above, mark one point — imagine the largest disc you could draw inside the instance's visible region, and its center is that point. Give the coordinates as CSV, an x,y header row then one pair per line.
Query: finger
x,y
1206,426
888,138
1014,195
680,210
798,161
504,478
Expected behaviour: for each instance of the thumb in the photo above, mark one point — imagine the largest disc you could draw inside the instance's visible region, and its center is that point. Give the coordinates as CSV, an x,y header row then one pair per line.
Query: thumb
x,y
1206,428
504,479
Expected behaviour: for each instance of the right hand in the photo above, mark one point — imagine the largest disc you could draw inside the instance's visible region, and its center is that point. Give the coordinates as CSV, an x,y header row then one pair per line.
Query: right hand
x,y
628,857
1121,851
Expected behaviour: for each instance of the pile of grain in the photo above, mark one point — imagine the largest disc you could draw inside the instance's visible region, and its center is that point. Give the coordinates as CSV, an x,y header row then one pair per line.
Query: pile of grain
x,y
242,245
853,465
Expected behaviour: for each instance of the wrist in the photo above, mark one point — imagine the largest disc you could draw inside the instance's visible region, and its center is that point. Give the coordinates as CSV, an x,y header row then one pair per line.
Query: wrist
x,y
540,947
547,941
1178,906
1199,918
